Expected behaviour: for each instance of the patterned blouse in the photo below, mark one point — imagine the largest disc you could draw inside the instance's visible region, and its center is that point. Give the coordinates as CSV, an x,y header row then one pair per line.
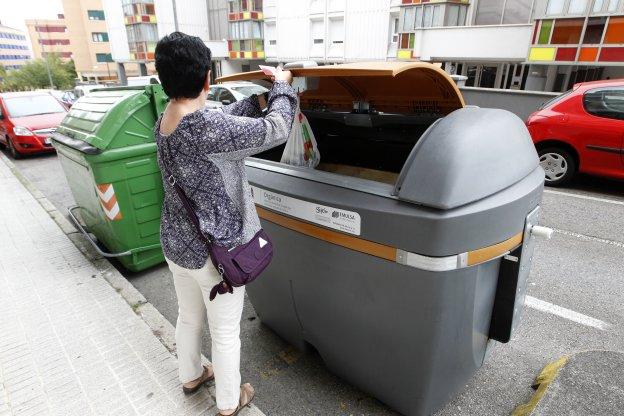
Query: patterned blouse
x,y
205,154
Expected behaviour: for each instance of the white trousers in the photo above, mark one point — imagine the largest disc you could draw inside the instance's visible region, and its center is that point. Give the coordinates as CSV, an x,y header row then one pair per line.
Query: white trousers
x,y
192,287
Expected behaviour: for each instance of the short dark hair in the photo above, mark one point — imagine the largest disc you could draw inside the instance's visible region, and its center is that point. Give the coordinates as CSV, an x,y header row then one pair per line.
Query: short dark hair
x,y
182,63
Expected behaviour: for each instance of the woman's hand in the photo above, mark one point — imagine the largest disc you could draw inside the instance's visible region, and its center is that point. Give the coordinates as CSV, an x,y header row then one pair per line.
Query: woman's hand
x,y
281,75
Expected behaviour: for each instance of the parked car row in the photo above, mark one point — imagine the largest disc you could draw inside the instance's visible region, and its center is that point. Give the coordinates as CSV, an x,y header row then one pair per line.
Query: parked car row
x,y
580,131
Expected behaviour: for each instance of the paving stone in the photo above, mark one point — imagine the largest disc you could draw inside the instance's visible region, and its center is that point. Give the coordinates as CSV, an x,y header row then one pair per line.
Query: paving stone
x,y
69,343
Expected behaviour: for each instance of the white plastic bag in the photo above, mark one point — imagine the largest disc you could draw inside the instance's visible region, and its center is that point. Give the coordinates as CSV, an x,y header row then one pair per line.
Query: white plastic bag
x,y
301,149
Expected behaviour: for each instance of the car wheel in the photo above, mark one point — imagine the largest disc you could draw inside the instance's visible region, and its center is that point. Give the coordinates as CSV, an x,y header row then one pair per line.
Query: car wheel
x,y
558,164
14,153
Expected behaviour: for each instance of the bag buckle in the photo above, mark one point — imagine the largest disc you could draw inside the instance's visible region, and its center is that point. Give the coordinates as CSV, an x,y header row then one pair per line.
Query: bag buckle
x,y
172,180
221,271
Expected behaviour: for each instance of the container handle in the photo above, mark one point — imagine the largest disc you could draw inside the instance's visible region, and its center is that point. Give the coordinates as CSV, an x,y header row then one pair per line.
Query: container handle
x,y
94,244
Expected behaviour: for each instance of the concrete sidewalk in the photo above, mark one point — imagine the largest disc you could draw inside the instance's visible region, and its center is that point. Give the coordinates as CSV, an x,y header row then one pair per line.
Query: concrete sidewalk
x,y
69,343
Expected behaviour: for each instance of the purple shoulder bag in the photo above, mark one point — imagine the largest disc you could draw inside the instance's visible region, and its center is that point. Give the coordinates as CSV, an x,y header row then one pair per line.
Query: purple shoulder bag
x,y
238,265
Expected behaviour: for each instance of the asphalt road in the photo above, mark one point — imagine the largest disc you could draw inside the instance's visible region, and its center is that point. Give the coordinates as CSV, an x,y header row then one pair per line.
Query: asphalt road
x,y
581,269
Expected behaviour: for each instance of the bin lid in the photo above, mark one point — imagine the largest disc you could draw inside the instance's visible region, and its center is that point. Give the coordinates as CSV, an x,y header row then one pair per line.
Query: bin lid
x,y
395,87
100,118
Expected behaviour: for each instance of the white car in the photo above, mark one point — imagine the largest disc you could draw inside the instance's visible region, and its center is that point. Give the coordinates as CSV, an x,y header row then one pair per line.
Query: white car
x,y
230,92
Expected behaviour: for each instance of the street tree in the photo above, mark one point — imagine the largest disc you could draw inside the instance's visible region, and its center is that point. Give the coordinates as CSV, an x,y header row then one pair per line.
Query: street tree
x,y
34,74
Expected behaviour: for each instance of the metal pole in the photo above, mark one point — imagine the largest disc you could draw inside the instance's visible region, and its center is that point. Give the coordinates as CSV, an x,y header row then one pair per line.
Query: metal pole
x,y
175,15
47,65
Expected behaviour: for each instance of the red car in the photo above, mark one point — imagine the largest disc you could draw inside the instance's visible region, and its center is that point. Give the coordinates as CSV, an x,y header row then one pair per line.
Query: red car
x,y
27,120
582,130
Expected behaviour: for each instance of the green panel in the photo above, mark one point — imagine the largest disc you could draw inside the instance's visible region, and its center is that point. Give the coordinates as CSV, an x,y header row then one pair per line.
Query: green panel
x,y
411,40
544,36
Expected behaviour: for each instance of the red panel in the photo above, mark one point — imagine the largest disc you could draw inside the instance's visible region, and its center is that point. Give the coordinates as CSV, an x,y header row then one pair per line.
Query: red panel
x,y
150,55
566,54
406,2
145,19
229,45
254,54
240,15
611,55
232,16
233,55
242,54
535,31
254,15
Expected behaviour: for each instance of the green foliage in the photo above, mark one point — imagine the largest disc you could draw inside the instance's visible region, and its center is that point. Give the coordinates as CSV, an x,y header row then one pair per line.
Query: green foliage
x,y
34,75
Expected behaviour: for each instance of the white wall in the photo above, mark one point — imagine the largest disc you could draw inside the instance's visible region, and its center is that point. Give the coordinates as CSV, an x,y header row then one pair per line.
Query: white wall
x,y
231,67
116,28
350,30
192,17
474,43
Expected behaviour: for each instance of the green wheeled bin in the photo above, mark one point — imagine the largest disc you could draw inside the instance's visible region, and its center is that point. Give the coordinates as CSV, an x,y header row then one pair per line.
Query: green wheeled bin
x,y
107,150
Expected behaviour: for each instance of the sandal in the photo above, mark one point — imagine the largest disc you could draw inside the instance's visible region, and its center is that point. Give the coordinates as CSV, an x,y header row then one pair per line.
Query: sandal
x,y
247,394
192,386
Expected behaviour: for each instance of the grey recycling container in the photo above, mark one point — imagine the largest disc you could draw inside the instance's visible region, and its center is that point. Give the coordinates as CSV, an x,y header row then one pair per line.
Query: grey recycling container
x,y
403,257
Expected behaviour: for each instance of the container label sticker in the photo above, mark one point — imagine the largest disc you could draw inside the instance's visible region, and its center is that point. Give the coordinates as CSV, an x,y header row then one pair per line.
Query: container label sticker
x,y
336,218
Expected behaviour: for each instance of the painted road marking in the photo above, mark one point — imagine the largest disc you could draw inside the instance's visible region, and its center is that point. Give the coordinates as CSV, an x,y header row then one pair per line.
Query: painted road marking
x,y
565,313
587,197
589,238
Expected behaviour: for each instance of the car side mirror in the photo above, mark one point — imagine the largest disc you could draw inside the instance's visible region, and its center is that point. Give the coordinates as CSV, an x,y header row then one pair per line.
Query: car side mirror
x,y
1,116
226,102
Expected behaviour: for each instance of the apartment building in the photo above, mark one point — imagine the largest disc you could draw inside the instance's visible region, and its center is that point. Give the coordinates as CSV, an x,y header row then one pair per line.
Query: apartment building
x,y
49,36
574,41
135,26
89,40
14,51
79,34
544,45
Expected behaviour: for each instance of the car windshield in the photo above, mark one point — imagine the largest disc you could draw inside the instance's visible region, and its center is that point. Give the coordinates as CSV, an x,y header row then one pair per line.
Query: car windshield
x,y
249,90
33,105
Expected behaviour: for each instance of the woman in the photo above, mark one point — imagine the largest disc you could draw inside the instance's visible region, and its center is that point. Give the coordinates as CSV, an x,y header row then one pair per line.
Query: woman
x,y
205,151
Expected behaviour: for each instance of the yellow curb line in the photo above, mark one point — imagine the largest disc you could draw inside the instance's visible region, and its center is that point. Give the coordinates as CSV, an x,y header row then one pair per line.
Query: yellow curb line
x,y
542,381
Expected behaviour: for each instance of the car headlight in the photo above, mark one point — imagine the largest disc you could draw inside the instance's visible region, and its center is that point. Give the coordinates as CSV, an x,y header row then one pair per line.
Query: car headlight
x,y
22,131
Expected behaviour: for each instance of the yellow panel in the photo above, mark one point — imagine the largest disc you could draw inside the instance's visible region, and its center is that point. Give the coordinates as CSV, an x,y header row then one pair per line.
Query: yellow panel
x,y
152,18
542,54
404,54
260,54
246,15
260,16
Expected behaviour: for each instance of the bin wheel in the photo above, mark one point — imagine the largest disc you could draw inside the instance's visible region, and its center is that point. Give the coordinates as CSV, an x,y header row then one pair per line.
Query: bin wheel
x,y
12,150
558,164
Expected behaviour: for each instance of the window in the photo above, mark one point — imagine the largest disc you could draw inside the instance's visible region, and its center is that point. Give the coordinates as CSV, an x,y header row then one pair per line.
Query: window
x,y
602,6
99,37
517,11
427,16
438,16
605,102
593,31
489,12
567,31
419,17
50,29
577,6
103,57
225,95
555,6
95,14
408,18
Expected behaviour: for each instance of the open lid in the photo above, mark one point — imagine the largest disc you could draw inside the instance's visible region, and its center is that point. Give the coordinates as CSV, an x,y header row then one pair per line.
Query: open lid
x,y
392,87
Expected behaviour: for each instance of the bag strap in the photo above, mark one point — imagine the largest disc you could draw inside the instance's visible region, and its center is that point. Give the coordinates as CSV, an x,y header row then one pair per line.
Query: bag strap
x,y
186,203
224,286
